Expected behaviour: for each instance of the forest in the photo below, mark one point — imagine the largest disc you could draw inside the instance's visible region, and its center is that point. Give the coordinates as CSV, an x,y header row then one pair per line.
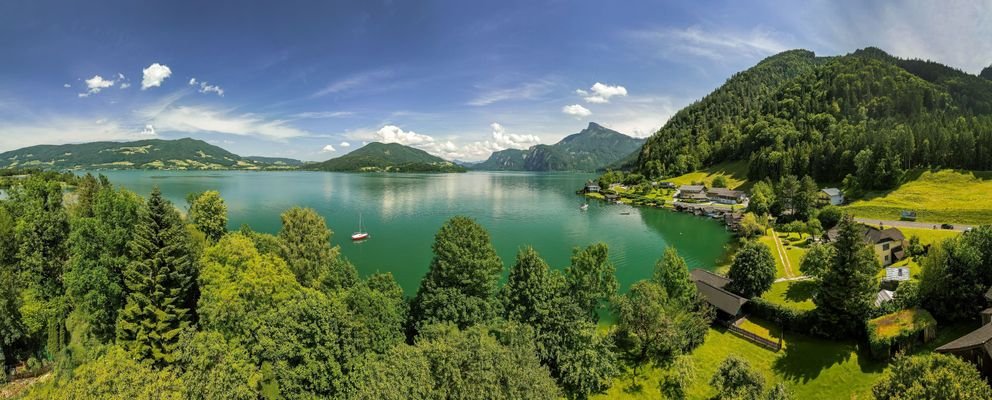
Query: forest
x,y
122,297
861,119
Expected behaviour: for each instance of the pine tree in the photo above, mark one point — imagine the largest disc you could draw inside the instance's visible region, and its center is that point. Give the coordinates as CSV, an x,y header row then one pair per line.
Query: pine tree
x,y
848,288
160,283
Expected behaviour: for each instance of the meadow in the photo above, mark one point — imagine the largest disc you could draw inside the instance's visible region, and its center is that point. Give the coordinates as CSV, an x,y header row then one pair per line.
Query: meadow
x,y
944,196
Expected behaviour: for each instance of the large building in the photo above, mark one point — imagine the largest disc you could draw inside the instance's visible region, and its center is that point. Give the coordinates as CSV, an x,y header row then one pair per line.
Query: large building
x,y
726,196
889,244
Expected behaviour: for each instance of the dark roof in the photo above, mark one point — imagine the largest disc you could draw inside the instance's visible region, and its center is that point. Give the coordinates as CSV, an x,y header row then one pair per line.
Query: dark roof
x,y
872,234
724,192
692,188
721,299
981,337
706,276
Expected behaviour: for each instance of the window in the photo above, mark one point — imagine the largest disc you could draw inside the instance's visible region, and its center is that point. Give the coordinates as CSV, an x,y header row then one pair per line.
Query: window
x,y
885,247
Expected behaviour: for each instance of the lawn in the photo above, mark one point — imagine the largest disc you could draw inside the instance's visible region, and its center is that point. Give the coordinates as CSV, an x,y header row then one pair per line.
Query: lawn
x,y
769,241
811,368
734,172
952,196
929,236
793,294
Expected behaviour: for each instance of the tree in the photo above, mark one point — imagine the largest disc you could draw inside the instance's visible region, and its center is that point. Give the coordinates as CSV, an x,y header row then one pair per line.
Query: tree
x,y
762,198
806,198
719,181
779,392
591,278
653,328
735,379
829,216
209,213
817,261
953,280
786,192
847,291
672,273
159,281
461,284
530,288
753,270
675,380
305,244
213,368
931,376
750,227
117,376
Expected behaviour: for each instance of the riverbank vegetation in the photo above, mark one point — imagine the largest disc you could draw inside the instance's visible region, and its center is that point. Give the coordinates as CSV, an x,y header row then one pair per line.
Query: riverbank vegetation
x,y
120,296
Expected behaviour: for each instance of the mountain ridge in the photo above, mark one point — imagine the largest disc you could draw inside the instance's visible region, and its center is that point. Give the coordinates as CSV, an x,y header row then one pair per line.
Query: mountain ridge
x,y
591,149
386,157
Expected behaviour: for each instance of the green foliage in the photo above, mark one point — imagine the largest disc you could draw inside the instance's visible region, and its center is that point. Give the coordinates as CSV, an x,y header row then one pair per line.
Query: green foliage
x,y
117,376
735,379
591,278
591,149
848,289
183,153
160,283
753,270
676,380
779,392
305,244
899,329
762,198
954,279
447,363
213,368
817,261
388,157
672,273
829,216
932,376
461,284
750,227
719,182
209,213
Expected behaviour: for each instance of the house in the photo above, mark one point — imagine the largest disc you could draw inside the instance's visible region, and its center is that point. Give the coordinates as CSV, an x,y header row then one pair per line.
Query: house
x,y
834,195
974,347
591,187
889,244
692,193
884,296
666,185
711,287
896,274
726,196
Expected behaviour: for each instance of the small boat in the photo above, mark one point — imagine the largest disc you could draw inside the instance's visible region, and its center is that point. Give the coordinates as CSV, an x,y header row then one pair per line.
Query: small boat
x,y
361,234
584,207
625,213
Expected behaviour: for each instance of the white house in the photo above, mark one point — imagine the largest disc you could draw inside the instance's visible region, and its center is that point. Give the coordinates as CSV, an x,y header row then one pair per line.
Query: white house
x,y
835,195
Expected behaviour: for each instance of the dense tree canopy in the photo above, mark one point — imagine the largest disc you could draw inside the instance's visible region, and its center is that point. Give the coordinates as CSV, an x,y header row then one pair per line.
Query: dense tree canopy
x,y
848,288
209,213
753,269
934,376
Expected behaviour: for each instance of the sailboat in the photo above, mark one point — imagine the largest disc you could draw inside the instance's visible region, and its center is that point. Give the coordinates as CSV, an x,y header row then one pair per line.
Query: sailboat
x,y
584,207
361,234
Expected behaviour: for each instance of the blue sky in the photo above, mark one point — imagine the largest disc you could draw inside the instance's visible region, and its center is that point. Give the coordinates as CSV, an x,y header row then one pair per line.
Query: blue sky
x,y
316,79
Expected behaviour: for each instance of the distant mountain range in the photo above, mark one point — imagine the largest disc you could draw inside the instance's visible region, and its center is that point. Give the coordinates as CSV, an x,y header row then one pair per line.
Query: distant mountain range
x,y
592,149
179,154
386,157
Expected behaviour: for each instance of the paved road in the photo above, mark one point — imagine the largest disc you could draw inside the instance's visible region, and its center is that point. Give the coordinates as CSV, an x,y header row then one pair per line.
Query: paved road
x,y
908,224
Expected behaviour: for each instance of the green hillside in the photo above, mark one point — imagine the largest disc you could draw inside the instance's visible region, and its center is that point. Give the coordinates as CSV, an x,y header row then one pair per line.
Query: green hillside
x,y
189,154
275,161
386,157
867,115
591,149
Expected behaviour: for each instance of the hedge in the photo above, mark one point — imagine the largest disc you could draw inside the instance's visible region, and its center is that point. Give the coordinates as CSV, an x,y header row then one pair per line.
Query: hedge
x,y
789,319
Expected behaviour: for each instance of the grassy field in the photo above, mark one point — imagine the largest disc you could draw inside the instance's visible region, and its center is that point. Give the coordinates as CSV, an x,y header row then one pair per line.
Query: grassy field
x,y
734,172
936,196
793,294
930,236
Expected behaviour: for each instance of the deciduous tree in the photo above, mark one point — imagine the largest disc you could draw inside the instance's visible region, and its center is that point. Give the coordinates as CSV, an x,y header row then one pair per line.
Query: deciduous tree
x,y
753,269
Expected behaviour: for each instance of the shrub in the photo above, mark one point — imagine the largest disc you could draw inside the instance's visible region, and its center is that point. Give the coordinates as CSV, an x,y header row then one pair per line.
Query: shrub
x,y
900,329
789,319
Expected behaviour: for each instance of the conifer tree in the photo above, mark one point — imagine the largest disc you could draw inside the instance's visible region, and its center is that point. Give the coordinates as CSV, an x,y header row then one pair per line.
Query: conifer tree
x,y
159,282
848,288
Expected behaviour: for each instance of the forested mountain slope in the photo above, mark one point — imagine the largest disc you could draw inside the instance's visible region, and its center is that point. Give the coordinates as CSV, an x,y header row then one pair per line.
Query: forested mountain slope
x,y
593,148
867,115
387,157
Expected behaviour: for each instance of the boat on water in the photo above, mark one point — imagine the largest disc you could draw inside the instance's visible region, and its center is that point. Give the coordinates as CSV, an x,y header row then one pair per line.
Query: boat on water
x,y
625,213
584,207
361,234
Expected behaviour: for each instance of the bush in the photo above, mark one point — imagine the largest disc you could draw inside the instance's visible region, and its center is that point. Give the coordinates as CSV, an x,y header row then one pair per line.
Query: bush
x,y
899,331
829,216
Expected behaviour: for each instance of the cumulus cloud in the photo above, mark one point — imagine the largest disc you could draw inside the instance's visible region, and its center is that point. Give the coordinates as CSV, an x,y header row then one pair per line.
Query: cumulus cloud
x,y
66,85
205,87
202,119
154,75
148,131
95,85
601,93
394,134
328,149
576,110
345,144
501,140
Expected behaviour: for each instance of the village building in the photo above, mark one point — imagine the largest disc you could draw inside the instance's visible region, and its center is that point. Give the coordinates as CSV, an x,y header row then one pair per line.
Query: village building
x,y
896,274
726,196
834,196
975,347
591,187
711,287
889,244
692,193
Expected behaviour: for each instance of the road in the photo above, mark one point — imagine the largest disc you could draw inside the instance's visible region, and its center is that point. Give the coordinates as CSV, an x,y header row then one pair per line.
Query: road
x,y
909,224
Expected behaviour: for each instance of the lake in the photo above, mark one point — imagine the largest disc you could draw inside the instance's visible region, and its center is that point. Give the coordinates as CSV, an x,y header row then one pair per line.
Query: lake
x,y
402,212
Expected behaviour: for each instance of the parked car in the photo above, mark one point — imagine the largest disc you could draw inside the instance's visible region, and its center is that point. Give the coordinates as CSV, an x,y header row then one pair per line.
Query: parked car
x,y
946,226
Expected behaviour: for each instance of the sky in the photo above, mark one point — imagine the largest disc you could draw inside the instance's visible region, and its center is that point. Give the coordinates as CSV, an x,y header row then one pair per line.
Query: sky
x,y
313,80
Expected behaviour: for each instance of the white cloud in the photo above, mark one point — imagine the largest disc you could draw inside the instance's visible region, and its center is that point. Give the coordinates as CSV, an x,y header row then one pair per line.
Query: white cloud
x,y
125,85
205,87
353,82
394,134
323,114
601,93
148,131
345,144
154,75
576,110
95,85
500,141
66,85
716,45
527,91
201,119
328,149
61,130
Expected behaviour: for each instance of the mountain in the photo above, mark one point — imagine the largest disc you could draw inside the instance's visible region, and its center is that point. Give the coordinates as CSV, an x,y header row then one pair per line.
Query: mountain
x,y
865,115
142,154
986,73
591,149
289,162
386,157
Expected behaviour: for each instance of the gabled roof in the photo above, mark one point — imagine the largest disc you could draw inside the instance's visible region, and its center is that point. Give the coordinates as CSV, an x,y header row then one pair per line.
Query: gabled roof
x,y
832,192
884,296
872,234
706,276
981,337
692,188
724,192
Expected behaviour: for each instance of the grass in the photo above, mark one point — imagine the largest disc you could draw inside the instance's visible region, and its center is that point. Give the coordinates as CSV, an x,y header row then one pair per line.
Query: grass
x,y
909,320
797,295
929,236
811,368
951,196
734,172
